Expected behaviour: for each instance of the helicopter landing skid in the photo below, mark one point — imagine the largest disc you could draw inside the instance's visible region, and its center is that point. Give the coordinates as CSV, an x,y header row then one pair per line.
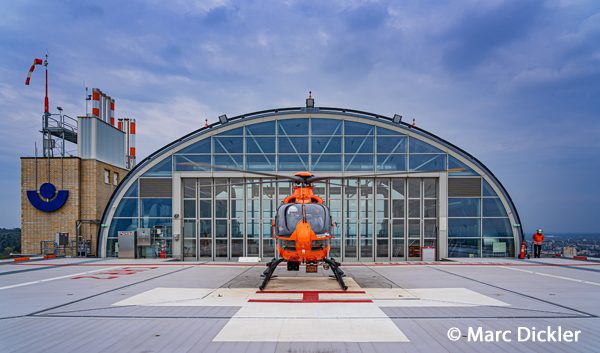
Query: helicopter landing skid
x,y
271,266
338,273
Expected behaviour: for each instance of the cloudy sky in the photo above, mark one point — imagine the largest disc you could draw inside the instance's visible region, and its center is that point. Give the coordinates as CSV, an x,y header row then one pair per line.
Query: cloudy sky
x,y
515,83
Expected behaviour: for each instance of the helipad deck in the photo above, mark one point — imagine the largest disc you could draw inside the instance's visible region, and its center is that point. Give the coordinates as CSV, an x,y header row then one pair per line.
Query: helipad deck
x,y
95,305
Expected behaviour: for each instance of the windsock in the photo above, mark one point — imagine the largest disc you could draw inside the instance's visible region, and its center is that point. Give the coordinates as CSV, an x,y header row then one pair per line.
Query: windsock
x,y
35,62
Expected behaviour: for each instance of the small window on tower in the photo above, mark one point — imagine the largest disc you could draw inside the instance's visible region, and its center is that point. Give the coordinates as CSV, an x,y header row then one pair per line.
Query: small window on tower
x,y
115,178
107,176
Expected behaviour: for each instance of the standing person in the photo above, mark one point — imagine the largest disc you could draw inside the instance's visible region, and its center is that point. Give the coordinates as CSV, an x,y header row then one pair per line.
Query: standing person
x,y
538,238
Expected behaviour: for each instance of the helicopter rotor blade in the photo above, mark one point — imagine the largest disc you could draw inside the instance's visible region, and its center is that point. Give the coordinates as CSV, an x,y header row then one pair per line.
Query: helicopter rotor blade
x,y
241,170
317,179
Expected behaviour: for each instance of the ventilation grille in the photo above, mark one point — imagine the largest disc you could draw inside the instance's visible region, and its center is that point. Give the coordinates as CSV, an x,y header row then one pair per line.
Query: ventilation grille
x,y
464,187
156,187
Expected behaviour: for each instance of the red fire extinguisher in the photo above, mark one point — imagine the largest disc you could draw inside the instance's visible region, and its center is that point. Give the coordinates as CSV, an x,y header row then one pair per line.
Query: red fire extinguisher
x,y
522,255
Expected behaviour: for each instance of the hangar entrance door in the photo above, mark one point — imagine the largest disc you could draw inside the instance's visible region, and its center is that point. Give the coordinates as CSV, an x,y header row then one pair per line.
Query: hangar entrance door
x,y
421,214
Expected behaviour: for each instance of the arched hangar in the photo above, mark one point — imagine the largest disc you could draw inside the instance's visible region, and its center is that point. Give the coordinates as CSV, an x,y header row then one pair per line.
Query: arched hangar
x,y
196,213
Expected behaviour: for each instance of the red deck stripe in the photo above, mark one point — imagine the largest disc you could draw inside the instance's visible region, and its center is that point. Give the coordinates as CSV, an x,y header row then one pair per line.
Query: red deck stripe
x,y
22,259
306,301
308,291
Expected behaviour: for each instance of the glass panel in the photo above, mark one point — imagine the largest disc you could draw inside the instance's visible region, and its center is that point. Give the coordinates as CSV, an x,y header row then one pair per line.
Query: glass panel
x,y
189,209
157,208
366,208
464,207
366,188
326,162
430,243
398,188
350,189
396,144
268,190
221,228
266,128
205,208
293,127
497,227
268,208
237,228
152,222
253,208
414,188
359,162
326,144
366,248
384,131
221,248
253,228
335,189
335,207
366,228
326,127
382,248
391,162
398,247
237,188
464,247
354,128
133,190
430,208
127,208
228,145
189,188
429,188
497,247
454,163
337,229
292,144
414,228
414,208
464,227
162,169
220,208
221,188
188,163
205,228
252,190
122,224
205,188
398,228
233,132
260,145
382,188
253,247
112,247
423,162
261,162
189,247
383,210
292,162
487,189
430,228
336,248
359,144
350,239
418,146
414,248
235,161
266,227
398,208
268,248
351,209
205,248
382,228
202,146
189,228
319,189
493,208
237,209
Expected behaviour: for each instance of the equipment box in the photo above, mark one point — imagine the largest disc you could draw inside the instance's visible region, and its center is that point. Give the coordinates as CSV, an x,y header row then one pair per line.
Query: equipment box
x,y
144,237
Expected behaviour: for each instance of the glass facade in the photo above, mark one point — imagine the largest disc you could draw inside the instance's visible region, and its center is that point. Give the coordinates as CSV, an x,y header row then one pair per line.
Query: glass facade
x,y
375,219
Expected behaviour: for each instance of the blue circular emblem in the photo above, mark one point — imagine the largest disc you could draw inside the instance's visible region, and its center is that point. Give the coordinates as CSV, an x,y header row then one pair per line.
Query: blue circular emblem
x,y
47,190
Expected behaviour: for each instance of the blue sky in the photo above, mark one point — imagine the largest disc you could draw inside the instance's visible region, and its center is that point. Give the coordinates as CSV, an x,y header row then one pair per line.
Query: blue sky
x,y
515,83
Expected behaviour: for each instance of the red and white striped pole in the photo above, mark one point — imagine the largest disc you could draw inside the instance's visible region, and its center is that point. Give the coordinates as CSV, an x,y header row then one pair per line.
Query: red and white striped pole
x,y
96,102
112,112
132,141
120,124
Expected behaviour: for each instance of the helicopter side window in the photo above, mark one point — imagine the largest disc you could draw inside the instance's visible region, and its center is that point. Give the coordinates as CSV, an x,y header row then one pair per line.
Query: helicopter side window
x,y
316,216
288,217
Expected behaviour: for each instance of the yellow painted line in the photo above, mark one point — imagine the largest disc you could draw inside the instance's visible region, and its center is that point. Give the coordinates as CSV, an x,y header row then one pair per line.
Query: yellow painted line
x,y
55,278
560,277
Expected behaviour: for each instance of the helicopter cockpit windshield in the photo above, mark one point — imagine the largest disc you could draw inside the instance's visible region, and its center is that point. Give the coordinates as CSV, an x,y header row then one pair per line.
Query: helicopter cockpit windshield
x,y
317,216
288,217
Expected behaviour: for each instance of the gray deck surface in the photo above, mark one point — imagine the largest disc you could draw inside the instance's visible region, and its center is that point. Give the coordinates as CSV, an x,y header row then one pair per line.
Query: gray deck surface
x,y
68,305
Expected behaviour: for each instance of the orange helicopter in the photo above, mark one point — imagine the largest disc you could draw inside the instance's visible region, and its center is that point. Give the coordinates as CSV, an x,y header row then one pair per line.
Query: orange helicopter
x,y
303,226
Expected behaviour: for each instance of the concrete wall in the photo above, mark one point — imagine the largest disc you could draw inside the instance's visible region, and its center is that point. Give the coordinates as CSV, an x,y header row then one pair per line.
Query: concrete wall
x,y
88,195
